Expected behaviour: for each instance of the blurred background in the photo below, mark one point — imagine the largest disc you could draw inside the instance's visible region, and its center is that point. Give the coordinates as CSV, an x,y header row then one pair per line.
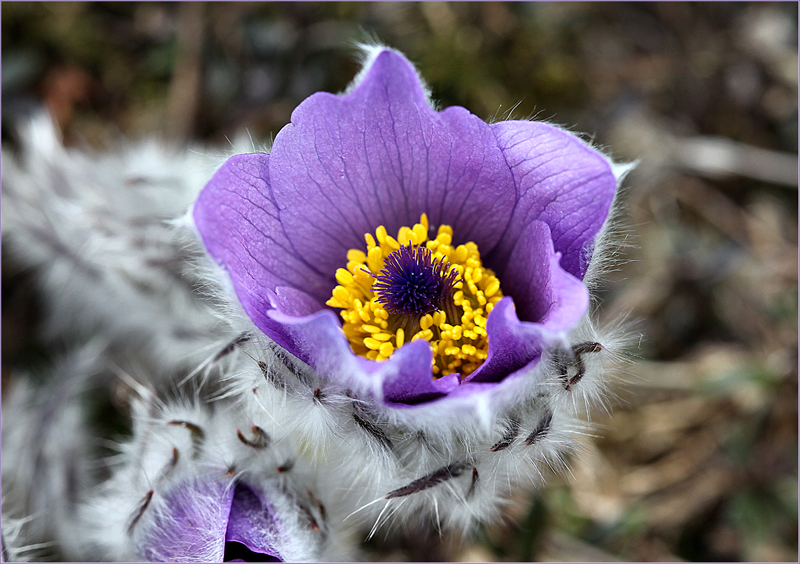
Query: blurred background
x,y
699,459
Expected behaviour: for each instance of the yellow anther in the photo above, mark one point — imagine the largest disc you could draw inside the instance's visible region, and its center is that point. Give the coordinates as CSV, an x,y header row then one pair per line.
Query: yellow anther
x,y
363,312
461,253
426,321
392,243
492,287
380,233
354,255
343,277
375,260
370,241
371,328
403,235
420,232
371,343
364,277
338,302
451,351
387,349
400,337
381,336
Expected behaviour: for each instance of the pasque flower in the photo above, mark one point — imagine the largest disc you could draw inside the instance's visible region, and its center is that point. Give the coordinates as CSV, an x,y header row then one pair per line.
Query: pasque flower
x,y
500,218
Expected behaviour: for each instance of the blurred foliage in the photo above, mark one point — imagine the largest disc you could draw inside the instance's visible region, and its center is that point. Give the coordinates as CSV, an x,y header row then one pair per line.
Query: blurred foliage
x,y
699,461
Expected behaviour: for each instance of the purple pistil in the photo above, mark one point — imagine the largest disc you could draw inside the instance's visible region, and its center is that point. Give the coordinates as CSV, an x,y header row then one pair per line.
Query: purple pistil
x,y
413,283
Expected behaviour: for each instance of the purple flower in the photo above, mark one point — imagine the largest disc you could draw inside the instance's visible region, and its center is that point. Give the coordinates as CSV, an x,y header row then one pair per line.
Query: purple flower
x,y
531,196
210,520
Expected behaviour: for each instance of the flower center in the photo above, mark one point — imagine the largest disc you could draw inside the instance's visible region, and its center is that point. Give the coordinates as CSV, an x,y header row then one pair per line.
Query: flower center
x,y
412,283
410,286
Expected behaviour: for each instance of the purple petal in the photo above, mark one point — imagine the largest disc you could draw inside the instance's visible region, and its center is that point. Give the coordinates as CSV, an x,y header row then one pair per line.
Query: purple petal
x,y
546,296
293,302
240,227
563,182
381,155
254,523
189,523
543,290
405,378
319,341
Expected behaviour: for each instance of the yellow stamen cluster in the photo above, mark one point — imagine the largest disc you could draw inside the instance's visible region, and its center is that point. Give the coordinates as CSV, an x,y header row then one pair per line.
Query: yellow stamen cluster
x,y
459,343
